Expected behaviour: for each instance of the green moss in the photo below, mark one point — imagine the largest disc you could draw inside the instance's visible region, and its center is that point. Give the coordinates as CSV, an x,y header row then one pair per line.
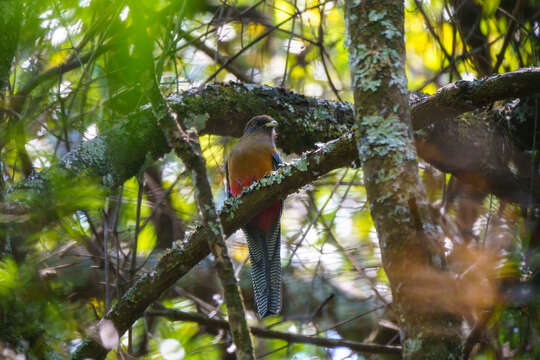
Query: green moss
x,y
390,31
375,16
379,136
386,175
329,147
231,205
214,227
412,346
401,213
301,164
366,65
400,81
196,121
363,64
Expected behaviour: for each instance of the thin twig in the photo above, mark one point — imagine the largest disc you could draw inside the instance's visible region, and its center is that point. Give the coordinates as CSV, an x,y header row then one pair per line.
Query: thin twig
x,y
322,53
253,42
218,58
358,267
284,79
455,60
511,28
351,319
156,205
133,267
436,36
314,220
106,259
177,315
187,147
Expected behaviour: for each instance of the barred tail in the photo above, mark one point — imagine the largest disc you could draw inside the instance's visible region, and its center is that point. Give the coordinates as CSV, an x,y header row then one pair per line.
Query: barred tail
x,y
264,254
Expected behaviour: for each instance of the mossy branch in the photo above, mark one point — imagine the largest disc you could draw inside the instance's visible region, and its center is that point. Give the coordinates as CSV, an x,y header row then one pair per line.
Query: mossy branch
x,y
185,144
224,109
236,212
463,96
450,144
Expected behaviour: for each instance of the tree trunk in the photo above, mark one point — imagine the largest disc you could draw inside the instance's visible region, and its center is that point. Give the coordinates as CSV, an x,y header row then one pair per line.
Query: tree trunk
x,y
408,237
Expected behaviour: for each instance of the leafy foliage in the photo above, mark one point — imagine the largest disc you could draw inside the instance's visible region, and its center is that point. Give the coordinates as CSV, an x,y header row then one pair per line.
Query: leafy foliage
x,y
81,68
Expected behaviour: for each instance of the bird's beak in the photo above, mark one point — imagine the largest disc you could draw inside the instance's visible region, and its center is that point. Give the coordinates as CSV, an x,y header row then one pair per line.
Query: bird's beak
x,y
272,124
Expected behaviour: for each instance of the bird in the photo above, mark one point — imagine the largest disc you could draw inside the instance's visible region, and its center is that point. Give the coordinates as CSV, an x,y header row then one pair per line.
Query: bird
x,y
252,157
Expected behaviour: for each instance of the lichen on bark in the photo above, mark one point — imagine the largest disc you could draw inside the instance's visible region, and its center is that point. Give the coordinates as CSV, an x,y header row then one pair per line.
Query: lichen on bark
x,y
407,235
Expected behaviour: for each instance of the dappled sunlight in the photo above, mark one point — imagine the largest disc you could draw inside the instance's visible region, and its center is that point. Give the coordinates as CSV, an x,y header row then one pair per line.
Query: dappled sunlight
x,y
103,233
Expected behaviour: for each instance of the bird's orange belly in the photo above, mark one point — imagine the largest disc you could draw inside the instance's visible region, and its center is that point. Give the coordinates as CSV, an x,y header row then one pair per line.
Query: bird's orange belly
x,y
246,167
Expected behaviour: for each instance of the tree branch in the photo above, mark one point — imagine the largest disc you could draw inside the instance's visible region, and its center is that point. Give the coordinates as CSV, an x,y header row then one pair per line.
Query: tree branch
x,y
451,144
70,64
214,54
463,96
176,315
235,213
223,109
187,147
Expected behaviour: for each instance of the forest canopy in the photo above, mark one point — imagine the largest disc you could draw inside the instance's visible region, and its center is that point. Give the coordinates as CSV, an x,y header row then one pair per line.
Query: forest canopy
x,y
409,135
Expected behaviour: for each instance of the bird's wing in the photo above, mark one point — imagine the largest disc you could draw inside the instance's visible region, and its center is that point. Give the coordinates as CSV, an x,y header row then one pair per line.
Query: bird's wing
x,y
228,186
276,160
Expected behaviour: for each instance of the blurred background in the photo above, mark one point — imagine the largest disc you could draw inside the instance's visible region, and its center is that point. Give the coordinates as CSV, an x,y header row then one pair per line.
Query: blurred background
x,y
72,70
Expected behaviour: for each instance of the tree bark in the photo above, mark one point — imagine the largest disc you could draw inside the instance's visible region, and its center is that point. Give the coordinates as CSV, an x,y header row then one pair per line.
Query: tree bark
x,y
223,109
187,147
408,236
470,146
236,212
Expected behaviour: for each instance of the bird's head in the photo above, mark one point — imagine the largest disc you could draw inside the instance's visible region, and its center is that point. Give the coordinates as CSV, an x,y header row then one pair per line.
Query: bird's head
x,y
261,124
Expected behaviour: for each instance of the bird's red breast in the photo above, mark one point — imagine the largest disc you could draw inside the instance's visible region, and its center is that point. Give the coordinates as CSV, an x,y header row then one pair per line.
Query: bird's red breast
x,y
249,160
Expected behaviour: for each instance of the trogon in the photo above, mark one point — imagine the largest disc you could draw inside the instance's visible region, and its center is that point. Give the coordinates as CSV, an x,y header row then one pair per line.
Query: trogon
x,y
252,157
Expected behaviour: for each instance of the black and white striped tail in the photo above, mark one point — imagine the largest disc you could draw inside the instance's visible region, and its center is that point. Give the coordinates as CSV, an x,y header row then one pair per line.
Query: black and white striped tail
x,y
264,254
